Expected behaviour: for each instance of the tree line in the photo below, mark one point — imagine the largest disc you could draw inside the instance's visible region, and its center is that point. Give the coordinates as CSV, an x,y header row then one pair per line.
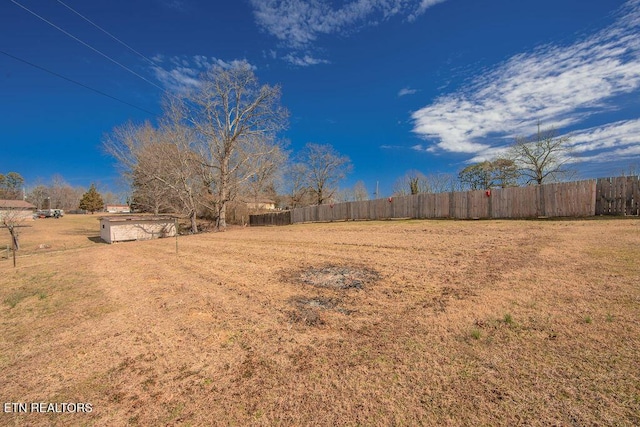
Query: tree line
x,y
542,158
57,194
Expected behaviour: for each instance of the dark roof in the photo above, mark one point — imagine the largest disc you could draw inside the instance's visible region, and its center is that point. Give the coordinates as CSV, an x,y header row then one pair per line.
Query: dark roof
x,y
15,204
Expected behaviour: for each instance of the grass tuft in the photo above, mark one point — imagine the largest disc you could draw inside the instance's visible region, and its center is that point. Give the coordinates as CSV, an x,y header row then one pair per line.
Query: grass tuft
x,y
476,334
508,319
16,297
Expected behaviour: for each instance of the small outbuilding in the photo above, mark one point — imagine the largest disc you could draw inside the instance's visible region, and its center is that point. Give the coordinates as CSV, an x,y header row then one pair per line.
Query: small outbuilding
x,y
117,208
127,228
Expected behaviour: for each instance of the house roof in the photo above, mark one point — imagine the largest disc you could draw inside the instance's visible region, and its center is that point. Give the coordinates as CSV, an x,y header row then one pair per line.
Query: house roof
x,y
15,204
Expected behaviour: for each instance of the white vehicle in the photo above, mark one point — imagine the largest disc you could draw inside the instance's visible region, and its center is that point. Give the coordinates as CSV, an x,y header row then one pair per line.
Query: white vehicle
x,y
50,213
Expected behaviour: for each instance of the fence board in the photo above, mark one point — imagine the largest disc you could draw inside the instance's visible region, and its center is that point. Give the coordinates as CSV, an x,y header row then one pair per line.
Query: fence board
x,y
635,197
603,190
441,210
478,204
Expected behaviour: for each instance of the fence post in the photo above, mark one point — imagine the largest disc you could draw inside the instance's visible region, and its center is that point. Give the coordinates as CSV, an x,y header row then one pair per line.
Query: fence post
x,y
490,201
593,188
452,208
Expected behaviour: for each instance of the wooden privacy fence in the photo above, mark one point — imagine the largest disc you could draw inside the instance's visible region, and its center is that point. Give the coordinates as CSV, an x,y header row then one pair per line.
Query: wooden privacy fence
x,y
618,196
271,218
605,196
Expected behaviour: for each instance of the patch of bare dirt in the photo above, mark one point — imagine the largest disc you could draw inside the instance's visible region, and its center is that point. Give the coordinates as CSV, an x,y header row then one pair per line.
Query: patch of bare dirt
x,y
308,310
338,277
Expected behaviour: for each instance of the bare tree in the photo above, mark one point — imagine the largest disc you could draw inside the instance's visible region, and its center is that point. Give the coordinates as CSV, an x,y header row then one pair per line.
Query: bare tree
x,y
110,198
37,195
236,121
443,183
127,144
12,219
412,182
148,193
631,170
298,193
324,168
343,195
62,195
161,166
214,143
180,170
357,193
263,174
542,158
360,192
56,192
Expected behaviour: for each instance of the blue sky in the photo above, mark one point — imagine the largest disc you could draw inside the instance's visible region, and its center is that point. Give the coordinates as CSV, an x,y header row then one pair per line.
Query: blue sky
x,y
394,84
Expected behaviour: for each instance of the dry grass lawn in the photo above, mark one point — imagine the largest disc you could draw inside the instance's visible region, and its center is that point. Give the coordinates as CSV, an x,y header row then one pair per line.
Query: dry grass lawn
x,y
355,323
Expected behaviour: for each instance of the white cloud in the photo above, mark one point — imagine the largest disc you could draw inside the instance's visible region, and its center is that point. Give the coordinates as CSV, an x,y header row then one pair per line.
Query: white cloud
x,y
424,5
557,85
406,91
177,79
304,60
621,138
182,73
270,54
489,153
299,23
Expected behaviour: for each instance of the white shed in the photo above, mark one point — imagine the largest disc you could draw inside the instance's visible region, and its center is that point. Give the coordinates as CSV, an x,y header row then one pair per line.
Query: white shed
x,y
127,228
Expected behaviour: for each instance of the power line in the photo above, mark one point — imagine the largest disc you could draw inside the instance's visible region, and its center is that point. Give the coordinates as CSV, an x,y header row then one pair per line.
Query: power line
x,y
87,45
75,82
107,32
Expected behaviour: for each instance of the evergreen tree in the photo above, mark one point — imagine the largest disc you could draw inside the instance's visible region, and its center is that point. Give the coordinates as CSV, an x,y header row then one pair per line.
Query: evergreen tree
x,y
91,200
